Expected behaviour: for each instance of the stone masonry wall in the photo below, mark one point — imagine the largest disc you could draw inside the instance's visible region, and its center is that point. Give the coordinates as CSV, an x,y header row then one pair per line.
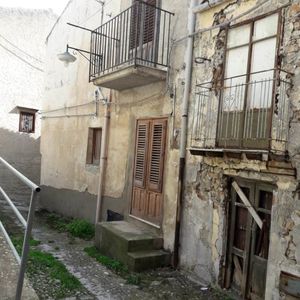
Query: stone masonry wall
x,y
205,221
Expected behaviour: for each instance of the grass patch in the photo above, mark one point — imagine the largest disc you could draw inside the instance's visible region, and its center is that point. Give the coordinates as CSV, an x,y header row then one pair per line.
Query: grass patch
x,y
75,227
114,265
81,229
45,264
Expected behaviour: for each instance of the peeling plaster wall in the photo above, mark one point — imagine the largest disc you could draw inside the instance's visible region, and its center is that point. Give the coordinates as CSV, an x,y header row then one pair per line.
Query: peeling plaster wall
x,y
22,53
205,216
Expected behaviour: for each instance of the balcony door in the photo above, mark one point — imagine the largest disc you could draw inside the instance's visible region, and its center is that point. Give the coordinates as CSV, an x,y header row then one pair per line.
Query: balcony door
x,y
143,31
246,99
146,202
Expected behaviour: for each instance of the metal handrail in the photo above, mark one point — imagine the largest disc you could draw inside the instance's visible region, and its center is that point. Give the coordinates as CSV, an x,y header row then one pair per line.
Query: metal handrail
x,y
27,224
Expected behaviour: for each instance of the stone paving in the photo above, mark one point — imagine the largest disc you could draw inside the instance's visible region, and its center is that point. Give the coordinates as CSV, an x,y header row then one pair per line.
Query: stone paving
x,y
9,270
104,284
98,281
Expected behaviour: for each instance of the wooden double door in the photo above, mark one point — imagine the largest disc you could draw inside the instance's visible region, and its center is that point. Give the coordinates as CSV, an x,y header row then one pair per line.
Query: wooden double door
x,y
249,238
147,198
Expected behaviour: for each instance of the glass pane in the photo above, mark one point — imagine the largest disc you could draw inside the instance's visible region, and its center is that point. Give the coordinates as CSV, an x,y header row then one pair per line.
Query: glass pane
x,y
236,63
265,27
241,218
238,36
265,200
261,84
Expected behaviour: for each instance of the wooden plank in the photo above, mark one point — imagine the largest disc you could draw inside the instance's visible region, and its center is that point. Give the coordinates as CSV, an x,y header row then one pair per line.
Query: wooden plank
x,y
248,205
238,269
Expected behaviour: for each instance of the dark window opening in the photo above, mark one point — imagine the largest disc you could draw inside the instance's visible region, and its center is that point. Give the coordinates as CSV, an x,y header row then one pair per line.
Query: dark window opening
x,y
94,146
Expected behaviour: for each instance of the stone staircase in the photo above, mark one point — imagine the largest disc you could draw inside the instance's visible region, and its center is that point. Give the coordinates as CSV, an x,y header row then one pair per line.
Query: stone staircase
x,y
136,247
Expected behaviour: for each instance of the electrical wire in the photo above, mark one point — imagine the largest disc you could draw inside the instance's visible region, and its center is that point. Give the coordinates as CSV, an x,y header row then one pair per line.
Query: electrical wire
x,y
24,52
20,58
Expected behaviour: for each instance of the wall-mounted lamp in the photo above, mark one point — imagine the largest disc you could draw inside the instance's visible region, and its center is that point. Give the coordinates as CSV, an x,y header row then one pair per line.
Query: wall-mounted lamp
x,y
66,57
201,60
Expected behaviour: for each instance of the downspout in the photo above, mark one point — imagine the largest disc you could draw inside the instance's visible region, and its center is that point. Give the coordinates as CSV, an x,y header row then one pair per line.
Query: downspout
x,y
193,10
184,121
103,159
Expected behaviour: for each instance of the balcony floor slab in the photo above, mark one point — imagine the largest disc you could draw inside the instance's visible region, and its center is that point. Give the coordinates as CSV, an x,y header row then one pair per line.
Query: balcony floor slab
x,y
130,77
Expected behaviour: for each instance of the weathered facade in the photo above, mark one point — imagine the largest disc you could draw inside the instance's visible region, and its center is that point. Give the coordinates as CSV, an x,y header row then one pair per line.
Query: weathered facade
x,y
240,226
149,98
22,52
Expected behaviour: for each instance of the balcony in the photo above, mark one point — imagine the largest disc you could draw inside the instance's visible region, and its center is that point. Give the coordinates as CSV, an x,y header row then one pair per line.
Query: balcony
x,y
132,49
246,113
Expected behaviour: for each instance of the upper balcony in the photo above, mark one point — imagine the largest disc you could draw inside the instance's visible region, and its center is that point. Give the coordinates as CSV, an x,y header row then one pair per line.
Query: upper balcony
x,y
132,49
246,113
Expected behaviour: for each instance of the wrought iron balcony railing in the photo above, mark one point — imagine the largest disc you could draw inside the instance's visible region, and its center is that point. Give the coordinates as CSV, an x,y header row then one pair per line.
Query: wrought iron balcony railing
x,y
249,111
140,35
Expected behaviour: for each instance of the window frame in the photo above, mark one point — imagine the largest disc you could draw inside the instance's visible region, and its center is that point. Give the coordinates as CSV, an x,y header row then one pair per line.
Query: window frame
x,y
250,44
92,146
26,113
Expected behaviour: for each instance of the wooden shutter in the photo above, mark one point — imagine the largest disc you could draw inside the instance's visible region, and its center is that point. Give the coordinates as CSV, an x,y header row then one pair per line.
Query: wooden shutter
x,y
157,153
149,22
141,152
142,15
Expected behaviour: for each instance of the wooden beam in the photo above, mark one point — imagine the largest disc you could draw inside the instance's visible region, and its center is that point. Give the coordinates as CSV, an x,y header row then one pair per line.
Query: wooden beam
x,y
248,205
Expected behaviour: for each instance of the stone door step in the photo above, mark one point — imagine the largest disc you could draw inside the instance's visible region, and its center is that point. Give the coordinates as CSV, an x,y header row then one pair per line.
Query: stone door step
x,y
136,247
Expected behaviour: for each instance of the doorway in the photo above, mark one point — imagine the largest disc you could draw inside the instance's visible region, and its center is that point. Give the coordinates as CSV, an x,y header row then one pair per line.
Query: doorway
x,y
147,198
249,238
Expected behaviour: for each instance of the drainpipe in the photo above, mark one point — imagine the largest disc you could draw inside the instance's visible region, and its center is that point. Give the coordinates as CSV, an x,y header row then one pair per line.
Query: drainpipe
x,y
194,8
103,159
183,134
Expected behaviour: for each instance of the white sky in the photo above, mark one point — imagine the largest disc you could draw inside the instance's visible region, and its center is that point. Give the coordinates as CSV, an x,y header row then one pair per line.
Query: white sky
x,y
56,5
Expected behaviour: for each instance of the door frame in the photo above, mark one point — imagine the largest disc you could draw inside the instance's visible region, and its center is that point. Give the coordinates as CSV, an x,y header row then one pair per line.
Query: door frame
x,y
159,225
254,188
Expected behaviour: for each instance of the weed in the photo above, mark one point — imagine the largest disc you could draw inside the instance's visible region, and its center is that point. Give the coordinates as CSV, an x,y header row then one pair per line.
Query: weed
x,y
76,227
110,263
134,279
45,263
81,229
57,222
114,265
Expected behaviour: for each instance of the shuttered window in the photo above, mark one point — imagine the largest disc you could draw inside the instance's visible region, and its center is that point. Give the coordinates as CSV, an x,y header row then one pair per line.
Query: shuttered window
x,y
150,151
141,153
157,148
142,23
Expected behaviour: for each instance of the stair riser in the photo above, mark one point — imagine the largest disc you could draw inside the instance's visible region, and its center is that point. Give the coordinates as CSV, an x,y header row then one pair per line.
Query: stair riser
x,y
146,263
147,244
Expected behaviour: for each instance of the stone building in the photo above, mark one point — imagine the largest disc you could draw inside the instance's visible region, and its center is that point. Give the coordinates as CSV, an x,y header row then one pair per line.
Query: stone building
x,y
22,53
221,197
120,108
240,216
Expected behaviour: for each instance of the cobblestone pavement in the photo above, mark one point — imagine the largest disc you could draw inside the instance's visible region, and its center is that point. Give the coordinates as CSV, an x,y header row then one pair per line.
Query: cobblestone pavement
x,y
104,284
9,273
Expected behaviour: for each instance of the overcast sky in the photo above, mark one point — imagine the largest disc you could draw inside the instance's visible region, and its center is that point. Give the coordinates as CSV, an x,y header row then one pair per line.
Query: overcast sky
x,y
56,5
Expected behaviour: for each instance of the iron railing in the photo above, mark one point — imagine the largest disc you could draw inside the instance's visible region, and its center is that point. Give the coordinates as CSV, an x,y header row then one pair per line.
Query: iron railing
x,y
249,111
140,35
27,224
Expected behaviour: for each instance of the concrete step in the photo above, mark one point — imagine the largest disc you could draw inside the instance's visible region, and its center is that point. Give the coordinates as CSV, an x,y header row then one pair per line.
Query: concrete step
x,y
128,243
151,259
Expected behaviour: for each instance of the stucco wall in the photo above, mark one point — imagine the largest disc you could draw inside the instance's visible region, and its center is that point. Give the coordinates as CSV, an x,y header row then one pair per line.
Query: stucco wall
x,y
63,164
22,53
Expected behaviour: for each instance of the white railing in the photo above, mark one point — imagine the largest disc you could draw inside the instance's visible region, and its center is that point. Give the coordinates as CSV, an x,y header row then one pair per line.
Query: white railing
x,y
27,224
